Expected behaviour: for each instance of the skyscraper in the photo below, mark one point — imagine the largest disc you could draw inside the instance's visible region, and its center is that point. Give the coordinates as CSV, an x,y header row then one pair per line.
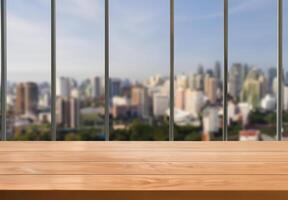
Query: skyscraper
x,y
218,71
237,76
160,104
139,98
63,87
272,74
96,87
180,98
210,88
67,112
27,99
194,102
254,88
114,87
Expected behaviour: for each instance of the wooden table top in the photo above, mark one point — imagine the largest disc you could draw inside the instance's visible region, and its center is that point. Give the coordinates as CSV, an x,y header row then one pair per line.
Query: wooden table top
x,y
144,166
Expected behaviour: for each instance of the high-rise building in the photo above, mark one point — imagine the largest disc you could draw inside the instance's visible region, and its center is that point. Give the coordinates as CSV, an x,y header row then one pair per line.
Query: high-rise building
x,y
196,82
210,88
182,81
139,98
200,70
254,88
114,87
272,74
67,112
160,104
45,100
194,102
27,95
180,98
237,76
20,99
96,87
218,71
63,87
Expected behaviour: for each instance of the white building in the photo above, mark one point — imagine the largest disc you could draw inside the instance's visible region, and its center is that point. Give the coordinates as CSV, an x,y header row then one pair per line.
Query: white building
x,y
120,101
194,101
182,81
249,135
63,87
160,104
44,100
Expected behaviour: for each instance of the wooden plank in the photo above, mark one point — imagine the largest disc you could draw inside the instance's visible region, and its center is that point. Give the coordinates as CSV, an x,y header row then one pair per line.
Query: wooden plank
x,y
140,156
145,182
143,195
144,146
143,168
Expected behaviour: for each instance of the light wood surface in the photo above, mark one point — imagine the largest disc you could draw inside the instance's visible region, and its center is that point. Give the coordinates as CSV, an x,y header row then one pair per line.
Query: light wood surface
x,y
144,166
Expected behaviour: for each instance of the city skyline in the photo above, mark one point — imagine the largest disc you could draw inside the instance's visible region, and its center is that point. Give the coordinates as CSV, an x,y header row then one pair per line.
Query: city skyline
x,y
198,105
145,37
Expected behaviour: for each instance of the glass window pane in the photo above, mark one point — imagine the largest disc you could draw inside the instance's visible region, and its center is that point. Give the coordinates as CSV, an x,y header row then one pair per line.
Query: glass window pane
x,y
139,69
252,73
198,69
80,70
28,92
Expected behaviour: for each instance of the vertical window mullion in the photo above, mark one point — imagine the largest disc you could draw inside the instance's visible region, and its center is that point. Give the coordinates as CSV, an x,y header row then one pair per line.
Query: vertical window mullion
x,y
225,77
171,119
53,70
3,67
280,70
107,82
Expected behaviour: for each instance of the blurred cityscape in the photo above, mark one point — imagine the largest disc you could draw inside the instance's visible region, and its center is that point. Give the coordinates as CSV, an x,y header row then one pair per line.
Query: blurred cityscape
x,y
140,110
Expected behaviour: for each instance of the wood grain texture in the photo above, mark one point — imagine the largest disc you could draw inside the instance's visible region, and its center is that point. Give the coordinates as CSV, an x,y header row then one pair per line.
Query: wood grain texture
x,y
144,166
145,146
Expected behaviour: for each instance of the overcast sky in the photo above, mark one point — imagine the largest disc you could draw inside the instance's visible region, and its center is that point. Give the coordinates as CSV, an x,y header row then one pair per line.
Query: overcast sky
x,y
139,31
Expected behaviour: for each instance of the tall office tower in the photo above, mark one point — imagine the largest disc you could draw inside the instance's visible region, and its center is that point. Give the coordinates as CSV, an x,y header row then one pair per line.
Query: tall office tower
x,y
74,112
210,72
180,98
160,104
210,88
218,71
20,99
63,87
194,102
254,88
114,87
96,87
139,99
200,70
27,95
67,112
272,74
237,76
